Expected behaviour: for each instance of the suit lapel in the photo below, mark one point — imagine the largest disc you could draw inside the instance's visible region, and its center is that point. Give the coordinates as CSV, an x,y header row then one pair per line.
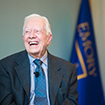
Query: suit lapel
x,y
23,72
55,77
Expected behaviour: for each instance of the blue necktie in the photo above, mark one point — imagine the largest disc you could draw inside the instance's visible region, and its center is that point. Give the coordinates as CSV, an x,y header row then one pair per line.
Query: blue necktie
x,y
40,85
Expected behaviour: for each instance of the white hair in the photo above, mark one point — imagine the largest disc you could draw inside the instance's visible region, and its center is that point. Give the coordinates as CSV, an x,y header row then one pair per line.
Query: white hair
x,y
48,29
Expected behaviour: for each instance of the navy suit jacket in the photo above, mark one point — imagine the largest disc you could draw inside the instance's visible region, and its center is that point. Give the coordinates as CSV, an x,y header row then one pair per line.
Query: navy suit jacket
x,y
15,80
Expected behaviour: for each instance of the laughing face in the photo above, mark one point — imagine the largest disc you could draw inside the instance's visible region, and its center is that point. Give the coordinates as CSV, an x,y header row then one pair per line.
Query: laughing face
x,y
35,37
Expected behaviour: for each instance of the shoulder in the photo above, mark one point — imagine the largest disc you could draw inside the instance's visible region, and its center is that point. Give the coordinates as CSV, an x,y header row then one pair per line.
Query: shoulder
x,y
60,62
12,57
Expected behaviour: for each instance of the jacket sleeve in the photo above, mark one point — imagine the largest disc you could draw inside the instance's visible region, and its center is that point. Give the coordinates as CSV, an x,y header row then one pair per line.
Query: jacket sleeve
x,y
6,97
72,97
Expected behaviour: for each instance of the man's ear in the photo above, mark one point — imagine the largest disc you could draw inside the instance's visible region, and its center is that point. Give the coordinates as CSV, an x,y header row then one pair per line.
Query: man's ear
x,y
49,38
23,37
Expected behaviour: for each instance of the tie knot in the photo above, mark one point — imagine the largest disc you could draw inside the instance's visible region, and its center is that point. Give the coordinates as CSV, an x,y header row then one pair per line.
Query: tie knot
x,y
38,62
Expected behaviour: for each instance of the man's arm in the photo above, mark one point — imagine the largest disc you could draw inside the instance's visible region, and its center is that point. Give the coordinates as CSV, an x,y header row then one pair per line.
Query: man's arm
x,y
72,98
5,88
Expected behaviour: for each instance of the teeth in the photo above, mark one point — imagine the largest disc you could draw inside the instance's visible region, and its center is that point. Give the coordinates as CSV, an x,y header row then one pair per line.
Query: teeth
x,y
33,43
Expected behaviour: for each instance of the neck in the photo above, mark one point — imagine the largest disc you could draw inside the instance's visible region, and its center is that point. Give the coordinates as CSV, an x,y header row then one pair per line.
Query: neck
x,y
38,55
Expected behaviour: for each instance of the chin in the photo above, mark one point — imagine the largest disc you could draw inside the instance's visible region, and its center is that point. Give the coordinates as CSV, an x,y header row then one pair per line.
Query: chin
x,y
34,52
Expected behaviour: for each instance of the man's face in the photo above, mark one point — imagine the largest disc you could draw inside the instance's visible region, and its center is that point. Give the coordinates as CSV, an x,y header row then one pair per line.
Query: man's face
x,y
35,38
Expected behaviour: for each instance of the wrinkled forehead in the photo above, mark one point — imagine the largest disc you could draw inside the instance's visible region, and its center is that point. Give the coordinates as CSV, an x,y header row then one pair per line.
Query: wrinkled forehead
x,y
35,22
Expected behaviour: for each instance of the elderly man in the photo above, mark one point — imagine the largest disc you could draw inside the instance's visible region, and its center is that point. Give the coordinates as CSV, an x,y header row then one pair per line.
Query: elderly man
x,y
34,76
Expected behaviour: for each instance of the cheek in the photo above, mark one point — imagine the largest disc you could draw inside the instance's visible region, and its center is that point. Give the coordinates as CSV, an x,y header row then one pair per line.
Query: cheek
x,y
43,40
46,41
25,38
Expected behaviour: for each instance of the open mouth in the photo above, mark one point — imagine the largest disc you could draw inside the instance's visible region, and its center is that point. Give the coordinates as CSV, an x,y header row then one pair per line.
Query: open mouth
x,y
33,43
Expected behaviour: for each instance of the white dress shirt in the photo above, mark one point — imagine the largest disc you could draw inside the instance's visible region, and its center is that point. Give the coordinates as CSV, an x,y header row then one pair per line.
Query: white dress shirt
x,y
32,70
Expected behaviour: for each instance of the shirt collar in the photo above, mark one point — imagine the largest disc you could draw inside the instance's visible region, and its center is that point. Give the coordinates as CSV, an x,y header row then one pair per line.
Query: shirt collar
x,y
43,58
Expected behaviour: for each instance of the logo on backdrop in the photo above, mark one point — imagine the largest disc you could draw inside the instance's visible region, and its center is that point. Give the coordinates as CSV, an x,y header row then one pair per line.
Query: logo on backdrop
x,y
88,50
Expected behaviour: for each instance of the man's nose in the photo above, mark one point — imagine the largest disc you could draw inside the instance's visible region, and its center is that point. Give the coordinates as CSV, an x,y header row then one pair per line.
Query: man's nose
x,y
32,34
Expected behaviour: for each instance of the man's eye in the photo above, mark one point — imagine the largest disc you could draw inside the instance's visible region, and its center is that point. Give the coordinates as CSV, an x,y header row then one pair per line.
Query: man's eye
x,y
27,31
38,31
